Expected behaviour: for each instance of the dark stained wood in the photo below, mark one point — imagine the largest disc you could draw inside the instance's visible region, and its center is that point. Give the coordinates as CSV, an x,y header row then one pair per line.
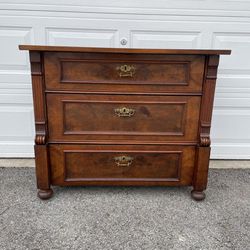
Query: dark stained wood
x,y
42,172
103,72
122,116
203,149
120,50
201,172
210,77
41,150
151,165
163,118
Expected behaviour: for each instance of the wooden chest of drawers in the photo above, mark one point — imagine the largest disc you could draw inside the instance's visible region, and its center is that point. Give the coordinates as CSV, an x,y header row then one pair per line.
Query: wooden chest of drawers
x,y
122,116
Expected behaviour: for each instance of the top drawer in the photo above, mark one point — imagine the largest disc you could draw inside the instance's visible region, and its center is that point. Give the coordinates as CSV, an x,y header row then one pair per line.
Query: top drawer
x,y
109,72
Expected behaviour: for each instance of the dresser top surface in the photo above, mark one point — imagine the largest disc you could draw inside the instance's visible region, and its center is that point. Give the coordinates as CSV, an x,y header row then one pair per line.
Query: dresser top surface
x,y
127,50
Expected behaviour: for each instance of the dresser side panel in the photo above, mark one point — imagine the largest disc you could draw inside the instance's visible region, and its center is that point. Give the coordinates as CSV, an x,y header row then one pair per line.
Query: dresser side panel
x,y
203,149
41,151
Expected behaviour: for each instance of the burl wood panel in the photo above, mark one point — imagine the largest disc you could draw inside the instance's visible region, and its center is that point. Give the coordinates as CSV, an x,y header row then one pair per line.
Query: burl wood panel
x,y
125,72
152,165
94,71
94,117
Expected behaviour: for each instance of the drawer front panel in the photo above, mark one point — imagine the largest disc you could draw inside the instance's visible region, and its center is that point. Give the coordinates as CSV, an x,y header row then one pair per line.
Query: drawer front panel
x,y
129,165
123,72
90,117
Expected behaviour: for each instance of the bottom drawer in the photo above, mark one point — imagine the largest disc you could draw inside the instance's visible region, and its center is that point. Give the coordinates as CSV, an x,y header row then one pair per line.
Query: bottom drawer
x,y
121,165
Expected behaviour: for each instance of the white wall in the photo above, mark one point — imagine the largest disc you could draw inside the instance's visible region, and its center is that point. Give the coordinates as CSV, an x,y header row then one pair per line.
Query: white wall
x,y
149,24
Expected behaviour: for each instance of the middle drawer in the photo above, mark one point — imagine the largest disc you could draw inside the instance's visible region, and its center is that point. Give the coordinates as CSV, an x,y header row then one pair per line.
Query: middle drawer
x,y
81,117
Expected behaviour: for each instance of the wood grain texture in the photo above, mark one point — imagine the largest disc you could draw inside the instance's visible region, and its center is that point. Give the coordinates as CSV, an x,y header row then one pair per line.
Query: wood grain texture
x,y
80,118
41,150
42,169
121,51
200,180
203,149
94,128
101,72
38,96
210,77
95,165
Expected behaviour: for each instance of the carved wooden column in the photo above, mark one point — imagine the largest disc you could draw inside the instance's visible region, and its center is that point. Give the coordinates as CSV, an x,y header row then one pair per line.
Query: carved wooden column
x,y
41,150
203,149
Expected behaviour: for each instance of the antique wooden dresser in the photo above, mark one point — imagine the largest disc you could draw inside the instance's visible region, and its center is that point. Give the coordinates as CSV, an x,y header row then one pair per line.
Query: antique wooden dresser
x,y
122,116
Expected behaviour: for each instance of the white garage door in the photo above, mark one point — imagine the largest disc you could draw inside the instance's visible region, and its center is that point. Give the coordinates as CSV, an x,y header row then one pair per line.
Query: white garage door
x,y
131,23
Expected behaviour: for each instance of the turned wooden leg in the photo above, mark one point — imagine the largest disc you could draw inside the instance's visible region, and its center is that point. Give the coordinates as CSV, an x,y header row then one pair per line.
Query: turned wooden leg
x,y
201,173
45,194
42,172
198,195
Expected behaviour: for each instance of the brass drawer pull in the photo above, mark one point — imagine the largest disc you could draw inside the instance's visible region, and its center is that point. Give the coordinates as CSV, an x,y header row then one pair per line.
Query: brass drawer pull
x,y
125,70
123,161
124,112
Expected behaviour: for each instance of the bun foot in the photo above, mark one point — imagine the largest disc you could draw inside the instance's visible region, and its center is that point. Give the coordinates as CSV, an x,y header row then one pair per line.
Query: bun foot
x,y
198,195
45,194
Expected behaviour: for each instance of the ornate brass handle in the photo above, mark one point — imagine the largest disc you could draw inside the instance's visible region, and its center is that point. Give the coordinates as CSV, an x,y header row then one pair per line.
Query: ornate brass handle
x,y
125,70
124,112
123,161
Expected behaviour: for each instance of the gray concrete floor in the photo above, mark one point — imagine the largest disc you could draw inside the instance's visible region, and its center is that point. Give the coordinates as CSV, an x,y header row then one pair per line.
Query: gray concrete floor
x,y
125,217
